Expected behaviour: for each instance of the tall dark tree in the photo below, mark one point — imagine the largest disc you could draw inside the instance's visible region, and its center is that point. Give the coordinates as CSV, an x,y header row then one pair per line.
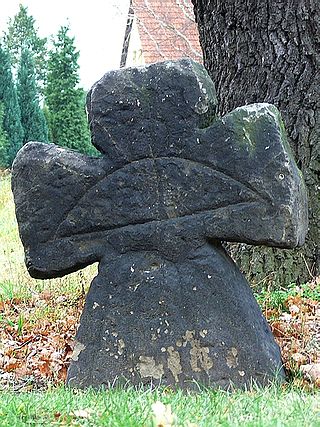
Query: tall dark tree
x,y
32,117
64,99
12,118
269,51
3,137
21,34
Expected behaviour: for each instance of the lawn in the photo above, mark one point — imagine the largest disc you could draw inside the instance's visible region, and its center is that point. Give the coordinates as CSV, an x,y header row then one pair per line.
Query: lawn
x,y
125,408
38,321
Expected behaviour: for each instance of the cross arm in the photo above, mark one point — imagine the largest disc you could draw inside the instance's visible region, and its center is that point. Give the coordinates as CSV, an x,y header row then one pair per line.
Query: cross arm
x,y
48,181
250,146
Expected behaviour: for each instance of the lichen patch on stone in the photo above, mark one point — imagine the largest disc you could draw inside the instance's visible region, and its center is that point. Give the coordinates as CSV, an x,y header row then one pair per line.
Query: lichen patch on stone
x,y
174,363
232,358
147,367
199,356
78,348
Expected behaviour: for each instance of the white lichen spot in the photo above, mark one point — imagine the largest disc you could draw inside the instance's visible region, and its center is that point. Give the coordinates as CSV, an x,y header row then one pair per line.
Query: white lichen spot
x,y
209,276
163,349
136,287
78,348
241,373
95,305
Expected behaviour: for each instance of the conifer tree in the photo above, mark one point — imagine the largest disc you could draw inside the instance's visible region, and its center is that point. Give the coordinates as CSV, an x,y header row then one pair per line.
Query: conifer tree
x,y
12,118
64,99
32,117
23,34
3,137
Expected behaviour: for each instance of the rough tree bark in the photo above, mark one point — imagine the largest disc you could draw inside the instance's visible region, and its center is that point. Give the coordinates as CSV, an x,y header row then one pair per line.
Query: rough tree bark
x,y
269,51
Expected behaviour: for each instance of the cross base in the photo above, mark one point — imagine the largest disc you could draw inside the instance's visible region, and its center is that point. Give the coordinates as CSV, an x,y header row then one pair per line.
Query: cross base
x,y
186,323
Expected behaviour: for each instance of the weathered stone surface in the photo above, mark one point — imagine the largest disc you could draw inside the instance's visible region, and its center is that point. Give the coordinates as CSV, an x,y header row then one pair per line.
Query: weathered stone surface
x,y
148,319
168,305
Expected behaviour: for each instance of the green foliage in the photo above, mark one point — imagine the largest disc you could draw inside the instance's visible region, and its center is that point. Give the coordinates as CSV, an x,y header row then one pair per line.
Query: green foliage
x,y
46,116
311,291
3,135
66,111
22,34
32,117
276,299
12,117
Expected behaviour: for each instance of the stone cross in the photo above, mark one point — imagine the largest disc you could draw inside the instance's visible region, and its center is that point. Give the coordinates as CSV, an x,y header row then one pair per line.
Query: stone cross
x,y
168,305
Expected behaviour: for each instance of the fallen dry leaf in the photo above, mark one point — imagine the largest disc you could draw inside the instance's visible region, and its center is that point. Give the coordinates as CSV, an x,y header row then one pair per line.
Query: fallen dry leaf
x,y
162,415
299,358
312,372
82,413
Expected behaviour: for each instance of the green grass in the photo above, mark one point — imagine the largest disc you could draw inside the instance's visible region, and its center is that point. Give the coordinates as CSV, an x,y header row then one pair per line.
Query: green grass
x,y
127,407
15,282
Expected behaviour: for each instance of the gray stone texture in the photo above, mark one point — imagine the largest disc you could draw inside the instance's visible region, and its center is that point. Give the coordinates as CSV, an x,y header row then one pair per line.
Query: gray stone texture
x,y
168,306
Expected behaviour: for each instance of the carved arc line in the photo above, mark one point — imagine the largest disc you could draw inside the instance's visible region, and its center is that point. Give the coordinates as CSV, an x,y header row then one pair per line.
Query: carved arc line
x,y
156,221
216,172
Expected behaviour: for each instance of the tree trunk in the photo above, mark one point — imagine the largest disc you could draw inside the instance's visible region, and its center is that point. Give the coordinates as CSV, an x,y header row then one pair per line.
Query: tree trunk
x,y
269,51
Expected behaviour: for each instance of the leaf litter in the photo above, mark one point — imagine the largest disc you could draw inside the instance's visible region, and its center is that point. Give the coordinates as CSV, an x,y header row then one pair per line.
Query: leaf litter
x,y
36,351
37,338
